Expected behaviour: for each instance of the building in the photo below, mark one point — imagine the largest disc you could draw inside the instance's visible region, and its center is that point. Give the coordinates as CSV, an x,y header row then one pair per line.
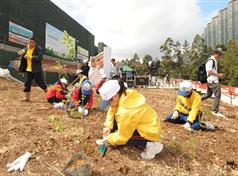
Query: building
x,y
61,37
21,19
223,27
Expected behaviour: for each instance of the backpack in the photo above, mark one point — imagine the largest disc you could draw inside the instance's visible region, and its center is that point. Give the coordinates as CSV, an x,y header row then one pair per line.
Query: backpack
x,y
202,73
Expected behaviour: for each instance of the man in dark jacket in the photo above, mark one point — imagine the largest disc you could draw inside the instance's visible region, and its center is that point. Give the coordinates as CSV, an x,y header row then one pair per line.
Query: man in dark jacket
x,y
31,65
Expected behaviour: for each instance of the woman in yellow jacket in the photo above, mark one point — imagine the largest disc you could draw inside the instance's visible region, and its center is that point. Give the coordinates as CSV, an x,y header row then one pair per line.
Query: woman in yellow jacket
x,y
130,120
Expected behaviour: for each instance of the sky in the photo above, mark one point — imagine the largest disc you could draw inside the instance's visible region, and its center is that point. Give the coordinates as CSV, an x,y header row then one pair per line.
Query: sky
x,y
141,26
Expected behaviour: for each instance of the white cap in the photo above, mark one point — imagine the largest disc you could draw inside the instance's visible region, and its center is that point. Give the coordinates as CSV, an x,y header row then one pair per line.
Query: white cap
x,y
185,88
109,89
79,71
63,80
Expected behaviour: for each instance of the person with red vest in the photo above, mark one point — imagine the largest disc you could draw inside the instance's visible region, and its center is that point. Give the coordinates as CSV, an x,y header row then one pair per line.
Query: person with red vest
x,y
83,97
57,93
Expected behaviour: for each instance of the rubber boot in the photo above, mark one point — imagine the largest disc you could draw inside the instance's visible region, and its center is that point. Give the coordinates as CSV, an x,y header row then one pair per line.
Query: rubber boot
x,y
27,96
152,148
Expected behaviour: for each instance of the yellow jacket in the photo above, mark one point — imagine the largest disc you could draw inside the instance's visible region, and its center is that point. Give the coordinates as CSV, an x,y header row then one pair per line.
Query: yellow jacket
x,y
189,105
132,114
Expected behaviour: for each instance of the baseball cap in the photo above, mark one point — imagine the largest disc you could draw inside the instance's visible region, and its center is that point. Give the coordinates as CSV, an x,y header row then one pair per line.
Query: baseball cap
x,y
185,88
86,87
218,51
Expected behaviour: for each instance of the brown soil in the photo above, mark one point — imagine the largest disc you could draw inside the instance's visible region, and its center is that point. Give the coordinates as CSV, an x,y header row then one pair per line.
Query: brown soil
x,y
26,126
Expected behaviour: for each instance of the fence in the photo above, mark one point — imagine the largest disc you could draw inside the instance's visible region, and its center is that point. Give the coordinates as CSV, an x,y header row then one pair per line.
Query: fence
x,y
229,94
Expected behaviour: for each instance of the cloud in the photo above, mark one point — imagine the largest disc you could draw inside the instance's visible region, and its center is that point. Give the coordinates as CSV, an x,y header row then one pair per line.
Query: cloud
x,y
136,26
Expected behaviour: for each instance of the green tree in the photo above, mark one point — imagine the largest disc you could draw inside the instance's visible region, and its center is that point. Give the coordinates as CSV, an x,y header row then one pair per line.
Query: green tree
x,y
185,62
134,63
168,49
229,64
198,54
167,64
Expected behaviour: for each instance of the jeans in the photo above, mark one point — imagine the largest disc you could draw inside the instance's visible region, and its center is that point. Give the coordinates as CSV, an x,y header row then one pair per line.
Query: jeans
x,y
182,119
54,100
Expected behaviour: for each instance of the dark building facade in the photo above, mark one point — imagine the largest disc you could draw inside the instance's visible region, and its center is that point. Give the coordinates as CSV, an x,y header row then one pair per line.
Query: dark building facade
x,y
34,14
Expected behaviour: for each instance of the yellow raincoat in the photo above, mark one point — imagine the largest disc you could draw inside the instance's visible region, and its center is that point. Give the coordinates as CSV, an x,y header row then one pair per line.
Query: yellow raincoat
x,y
132,114
189,105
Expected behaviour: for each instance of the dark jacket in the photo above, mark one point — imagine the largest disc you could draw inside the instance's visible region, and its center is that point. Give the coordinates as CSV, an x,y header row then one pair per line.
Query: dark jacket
x,y
37,57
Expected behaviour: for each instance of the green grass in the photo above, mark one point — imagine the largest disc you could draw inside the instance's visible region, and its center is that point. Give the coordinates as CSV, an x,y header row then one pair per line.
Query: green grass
x,y
56,120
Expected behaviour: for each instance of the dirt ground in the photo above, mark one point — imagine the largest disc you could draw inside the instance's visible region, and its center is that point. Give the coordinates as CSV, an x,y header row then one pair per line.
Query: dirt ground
x,y
28,126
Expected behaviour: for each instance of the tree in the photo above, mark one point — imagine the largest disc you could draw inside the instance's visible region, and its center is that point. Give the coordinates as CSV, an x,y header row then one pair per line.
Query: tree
x,y
168,49
134,63
198,51
167,64
198,55
229,64
186,53
178,54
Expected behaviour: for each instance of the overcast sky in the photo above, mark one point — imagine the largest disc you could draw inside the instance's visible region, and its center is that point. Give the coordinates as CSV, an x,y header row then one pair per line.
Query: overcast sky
x,y
141,26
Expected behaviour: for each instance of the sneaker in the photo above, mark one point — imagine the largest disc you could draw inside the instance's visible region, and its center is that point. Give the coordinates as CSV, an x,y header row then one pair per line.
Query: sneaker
x,y
152,148
207,126
218,114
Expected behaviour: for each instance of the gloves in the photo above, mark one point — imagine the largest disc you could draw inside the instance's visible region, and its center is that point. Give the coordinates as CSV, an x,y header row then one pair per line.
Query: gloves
x,y
80,110
60,105
187,126
85,112
102,141
175,115
19,163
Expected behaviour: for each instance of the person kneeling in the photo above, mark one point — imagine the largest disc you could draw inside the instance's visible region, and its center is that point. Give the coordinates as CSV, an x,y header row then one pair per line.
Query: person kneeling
x,y
187,109
130,120
82,98
57,93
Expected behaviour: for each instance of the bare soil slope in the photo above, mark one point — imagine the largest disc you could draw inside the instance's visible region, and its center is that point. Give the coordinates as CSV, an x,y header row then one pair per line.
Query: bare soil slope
x,y
26,126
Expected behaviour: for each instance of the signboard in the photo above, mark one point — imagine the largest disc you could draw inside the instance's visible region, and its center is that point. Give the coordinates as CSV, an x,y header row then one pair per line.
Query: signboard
x,y
19,34
82,51
82,54
59,44
81,57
